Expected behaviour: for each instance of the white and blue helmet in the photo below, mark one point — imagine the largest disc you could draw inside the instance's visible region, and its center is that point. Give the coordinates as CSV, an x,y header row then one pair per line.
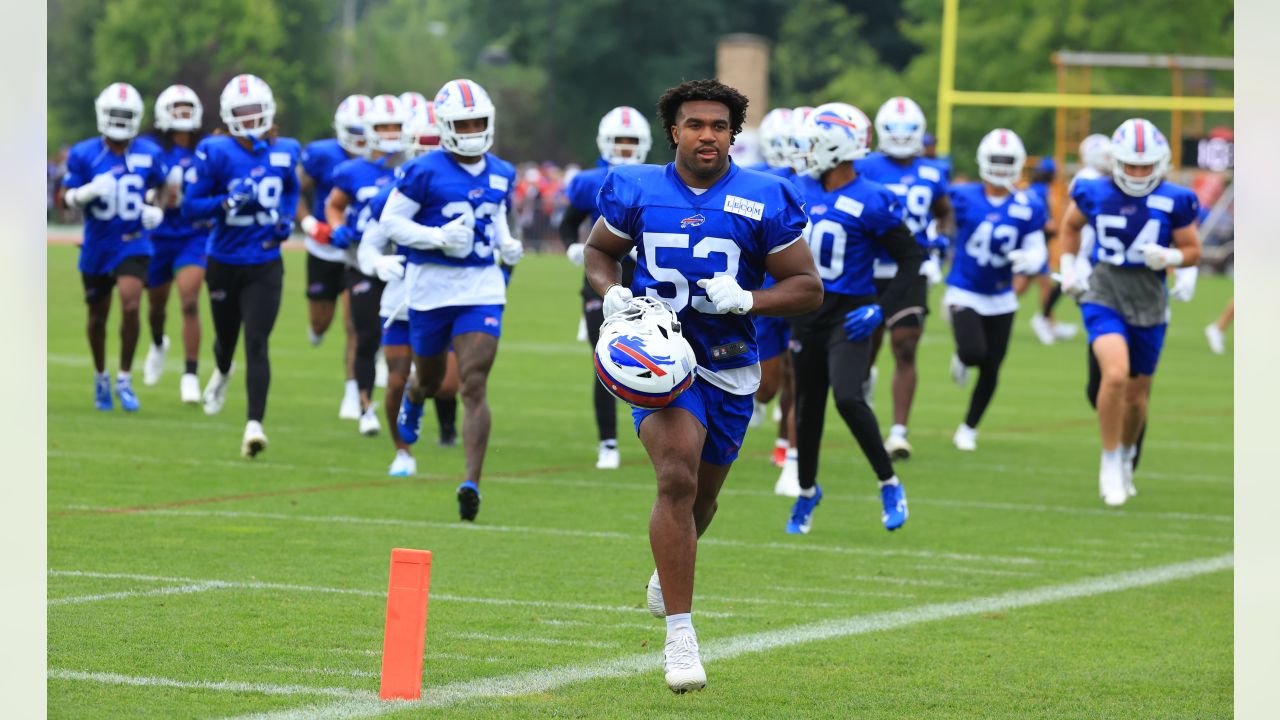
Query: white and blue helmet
x,y
641,357
1138,142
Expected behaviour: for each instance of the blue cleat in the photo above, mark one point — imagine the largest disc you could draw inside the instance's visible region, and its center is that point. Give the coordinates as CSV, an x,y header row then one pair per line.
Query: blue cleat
x,y
124,391
802,513
468,500
894,499
409,421
102,393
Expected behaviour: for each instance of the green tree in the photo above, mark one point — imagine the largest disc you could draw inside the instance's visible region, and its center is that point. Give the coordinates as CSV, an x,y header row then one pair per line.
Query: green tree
x,y
71,87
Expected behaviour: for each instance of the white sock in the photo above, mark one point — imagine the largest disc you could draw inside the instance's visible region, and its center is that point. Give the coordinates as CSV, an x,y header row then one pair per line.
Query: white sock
x,y
792,455
610,444
1111,456
104,375
123,376
809,492
1128,451
965,427
780,443
899,430
891,481
679,624
351,386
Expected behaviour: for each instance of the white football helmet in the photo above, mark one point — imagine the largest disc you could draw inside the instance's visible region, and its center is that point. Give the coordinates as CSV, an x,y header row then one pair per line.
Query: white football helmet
x,y
833,133
1001,157
623,122
459,100
900,128
1095,152
641,357
421,135
119,109
247,106
775,137
412,101
794,149
348,123
1138,142
385,110
170,98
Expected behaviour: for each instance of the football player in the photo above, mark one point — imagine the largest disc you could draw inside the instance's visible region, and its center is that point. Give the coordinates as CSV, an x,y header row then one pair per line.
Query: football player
x,y
450,210
851,219
108,176
246,182
1215,332
1142,225
775,140
355,183
623,138
179,244
999,232
706,231
1046,329
326,264
922,186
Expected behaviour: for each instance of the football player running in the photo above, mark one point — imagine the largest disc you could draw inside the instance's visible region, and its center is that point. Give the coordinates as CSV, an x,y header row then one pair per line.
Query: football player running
x,y
107,176
999,232
623,138
1142,226
356,182
179,244
921,184
247,184
449,209
327,264
706,232
851,219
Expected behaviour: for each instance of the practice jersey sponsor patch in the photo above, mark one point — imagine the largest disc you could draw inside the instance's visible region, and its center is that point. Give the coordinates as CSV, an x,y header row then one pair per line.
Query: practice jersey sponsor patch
x,y
280,159
743,207
1021,212
1159,202
139,160
849,205
498,182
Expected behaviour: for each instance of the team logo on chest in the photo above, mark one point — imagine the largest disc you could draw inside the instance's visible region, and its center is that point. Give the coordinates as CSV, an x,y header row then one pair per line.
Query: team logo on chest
x,y
692,221
475,193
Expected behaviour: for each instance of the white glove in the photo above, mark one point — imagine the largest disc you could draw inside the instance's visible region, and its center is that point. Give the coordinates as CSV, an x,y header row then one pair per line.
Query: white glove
x,y
389,267
615,299
931,269
152,216
510,250
1184,283
1073,283
727,295
576,253
100,185
1024,262
1159,258
456,237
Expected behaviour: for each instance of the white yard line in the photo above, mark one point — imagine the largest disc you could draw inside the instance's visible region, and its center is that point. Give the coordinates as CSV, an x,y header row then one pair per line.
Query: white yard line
x,y
220,685
128,594
509,639
545,680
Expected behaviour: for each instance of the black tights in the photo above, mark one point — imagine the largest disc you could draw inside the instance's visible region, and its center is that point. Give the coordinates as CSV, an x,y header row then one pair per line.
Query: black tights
x,y
366,296
247,295
605,404
981,342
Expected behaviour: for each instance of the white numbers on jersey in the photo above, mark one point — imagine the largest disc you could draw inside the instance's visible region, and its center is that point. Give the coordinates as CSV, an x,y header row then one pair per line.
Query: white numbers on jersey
x,y
124,200
704,248
1111,248
981,249
918,199
270,189
484,210
817,235
364,195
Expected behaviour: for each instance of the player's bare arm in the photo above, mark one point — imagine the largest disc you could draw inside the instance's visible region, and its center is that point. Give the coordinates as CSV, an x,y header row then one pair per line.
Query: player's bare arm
x,y
1187,239
603,257
1072,224
335,207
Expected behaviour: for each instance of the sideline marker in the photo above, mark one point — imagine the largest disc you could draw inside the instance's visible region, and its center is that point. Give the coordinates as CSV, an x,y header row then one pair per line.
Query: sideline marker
x,y
405,636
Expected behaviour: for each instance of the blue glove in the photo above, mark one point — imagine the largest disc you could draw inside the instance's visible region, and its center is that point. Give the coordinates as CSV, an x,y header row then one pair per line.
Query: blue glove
x,y
940,243
282,229
343,237
242,193
859,324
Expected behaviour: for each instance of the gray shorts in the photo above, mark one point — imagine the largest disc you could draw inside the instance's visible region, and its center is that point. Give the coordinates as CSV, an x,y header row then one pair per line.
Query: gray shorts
x,y
1137,293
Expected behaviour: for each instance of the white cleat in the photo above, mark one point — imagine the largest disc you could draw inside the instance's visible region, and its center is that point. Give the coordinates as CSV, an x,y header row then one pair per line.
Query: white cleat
x,y
1111,483
255,440
608,458
1043,330
898,447
369,423
758,412
314,337
215,393
189,388
869,385
966,438
582,330
1126,468
404,465
153,368
1064,331
788,484
777,413
380,371
653,597
959,371
1215,338
682,664
350,408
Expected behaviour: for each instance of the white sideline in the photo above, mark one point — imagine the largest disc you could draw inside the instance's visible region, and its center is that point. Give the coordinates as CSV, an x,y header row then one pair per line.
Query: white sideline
x,y
537,681
223,685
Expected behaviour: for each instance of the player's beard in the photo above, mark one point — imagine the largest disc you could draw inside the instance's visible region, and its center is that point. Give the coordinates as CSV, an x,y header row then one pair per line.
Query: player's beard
x,y
706,169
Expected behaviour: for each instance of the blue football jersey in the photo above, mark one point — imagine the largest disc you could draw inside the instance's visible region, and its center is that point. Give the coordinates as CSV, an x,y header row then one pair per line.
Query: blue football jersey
x,y
444,190
917,184
843,225
318,159
362,179
584,188
1123,224
113,223
175,227
985,233
245,235
683,237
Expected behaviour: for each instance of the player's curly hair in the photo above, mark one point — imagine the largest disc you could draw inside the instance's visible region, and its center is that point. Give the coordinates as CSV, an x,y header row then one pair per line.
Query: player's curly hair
x,y
710,89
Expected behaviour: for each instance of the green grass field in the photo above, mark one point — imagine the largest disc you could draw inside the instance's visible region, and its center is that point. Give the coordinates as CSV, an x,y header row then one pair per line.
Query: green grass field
x,y
186,582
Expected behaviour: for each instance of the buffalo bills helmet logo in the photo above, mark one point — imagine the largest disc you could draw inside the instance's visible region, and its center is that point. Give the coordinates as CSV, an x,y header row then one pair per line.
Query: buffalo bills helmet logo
x,y
475,193
629,350
694,221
